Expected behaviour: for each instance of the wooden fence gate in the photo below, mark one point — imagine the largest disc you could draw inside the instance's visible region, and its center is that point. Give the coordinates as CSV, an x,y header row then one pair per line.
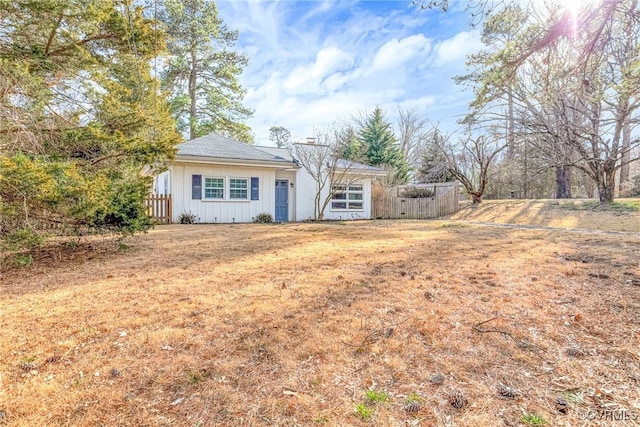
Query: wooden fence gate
x,y
392,205
159,207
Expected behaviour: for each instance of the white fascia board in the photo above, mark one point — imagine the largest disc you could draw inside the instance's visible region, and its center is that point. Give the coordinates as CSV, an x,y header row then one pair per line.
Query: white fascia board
x,y
235,162
362,172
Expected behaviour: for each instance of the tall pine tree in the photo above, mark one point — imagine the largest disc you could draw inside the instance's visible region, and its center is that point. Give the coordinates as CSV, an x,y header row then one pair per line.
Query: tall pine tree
x,y
202,71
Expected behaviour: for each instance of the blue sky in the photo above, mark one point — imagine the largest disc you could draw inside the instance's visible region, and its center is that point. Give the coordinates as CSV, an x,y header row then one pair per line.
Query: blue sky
x,y
314,62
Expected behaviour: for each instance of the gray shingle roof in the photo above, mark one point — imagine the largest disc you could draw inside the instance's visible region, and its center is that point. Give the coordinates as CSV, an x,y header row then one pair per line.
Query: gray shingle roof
x,y
355,166
340,163
221,147
283,153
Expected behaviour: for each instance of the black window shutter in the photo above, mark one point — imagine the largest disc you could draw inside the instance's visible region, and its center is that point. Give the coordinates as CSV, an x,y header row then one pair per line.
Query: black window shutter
x,y
196,186
255,188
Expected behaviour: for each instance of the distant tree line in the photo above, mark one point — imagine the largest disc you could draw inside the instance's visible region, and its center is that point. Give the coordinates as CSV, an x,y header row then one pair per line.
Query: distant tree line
x,y
556,103
555,112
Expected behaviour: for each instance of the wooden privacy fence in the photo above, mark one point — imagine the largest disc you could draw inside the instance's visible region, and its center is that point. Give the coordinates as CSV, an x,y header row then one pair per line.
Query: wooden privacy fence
x,y
391,206
159,207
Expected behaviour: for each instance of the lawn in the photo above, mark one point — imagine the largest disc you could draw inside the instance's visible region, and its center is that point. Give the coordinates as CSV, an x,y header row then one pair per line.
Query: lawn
x,y
346,323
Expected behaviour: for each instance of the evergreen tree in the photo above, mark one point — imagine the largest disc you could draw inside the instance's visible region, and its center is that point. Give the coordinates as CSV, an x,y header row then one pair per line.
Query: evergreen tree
x,y
380,146
433,163
202,71
350,146
82,124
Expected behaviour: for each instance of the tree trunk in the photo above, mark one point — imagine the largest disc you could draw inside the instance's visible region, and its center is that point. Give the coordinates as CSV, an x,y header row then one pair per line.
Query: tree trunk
x,y
626,156
525,172
193,95
606,184
317,212
563,182
476,197
511,149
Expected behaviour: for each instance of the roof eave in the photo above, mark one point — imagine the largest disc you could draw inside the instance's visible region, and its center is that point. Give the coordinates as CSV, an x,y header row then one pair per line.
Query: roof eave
x,y
362,172
235,162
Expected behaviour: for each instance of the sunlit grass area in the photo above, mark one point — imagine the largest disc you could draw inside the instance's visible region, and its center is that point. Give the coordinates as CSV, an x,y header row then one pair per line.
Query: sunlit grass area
x,y
357,323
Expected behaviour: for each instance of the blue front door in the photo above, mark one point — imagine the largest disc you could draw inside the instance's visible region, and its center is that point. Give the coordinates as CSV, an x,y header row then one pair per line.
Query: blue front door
x,y
282,200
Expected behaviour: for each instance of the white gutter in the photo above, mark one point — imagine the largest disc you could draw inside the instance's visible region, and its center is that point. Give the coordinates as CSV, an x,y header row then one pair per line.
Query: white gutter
x,y
286,165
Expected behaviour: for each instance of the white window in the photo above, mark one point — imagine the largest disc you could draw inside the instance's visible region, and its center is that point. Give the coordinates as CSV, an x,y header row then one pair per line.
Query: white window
x,y
214,188
238,188
347,197
223,188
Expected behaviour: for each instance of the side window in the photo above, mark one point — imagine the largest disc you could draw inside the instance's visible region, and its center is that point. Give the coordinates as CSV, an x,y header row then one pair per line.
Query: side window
x,y
255,188
196,187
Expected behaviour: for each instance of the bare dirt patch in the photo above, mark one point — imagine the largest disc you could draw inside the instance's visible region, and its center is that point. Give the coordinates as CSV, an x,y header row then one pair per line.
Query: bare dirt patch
x,y
383,322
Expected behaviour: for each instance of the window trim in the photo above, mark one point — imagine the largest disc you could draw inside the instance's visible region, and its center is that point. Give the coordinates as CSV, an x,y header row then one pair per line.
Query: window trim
x,y
204,188
247,188
226,189
346,200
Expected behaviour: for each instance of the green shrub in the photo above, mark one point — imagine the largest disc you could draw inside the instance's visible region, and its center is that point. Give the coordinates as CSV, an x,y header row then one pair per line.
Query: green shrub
x,y
417,193
125,211
24,238
264,218
635,187
23,260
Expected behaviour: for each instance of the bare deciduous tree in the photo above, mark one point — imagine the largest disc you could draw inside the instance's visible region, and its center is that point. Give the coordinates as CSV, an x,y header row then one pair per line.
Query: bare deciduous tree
x,y
321,160
470,160
414,131
575,94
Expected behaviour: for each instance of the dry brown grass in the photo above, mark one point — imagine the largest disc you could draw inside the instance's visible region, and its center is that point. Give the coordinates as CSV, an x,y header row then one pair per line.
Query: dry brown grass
x,y
292,324
622,215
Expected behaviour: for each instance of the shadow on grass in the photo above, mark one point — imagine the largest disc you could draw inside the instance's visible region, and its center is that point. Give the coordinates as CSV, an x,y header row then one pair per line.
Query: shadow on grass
x,y
622,215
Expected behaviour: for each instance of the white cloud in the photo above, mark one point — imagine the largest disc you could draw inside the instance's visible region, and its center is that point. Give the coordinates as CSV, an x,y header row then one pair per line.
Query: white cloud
x,y
323,7
312,63
302,115
456,48
336,81
308,78
397,52
258,22
419,103
331,59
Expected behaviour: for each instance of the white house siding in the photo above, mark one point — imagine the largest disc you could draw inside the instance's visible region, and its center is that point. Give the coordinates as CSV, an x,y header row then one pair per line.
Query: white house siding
x,y
305,194
222,211
162,183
